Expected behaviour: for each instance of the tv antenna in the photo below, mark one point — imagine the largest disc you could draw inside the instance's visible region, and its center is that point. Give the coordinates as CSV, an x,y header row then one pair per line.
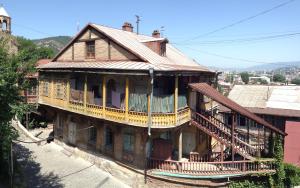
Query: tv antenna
x,y
162,29
137,23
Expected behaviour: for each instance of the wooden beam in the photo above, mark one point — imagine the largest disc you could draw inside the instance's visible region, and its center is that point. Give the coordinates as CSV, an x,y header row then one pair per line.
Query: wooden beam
x,y
126,98
233,125
85,92
104,94
180,144
176,98
68,89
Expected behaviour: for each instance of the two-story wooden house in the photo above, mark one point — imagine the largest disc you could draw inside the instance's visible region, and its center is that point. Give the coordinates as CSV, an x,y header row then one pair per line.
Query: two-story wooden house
x,y
137,98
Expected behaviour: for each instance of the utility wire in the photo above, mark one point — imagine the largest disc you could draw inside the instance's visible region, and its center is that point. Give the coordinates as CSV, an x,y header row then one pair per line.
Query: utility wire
x,y
236,58
240,21
243,40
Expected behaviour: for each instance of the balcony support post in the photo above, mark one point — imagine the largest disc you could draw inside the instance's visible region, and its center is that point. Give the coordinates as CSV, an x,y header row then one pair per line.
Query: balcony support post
x,y
180,144
85,92
126,98
67,92
104,94
258,140
176,98
52,93
248,130
233,125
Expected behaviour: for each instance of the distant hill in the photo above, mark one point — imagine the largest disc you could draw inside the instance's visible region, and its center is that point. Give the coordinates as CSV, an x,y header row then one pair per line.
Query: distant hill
x,y
262,67
55,43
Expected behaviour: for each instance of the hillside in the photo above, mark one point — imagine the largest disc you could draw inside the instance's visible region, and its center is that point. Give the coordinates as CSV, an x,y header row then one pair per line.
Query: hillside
x,y
55,43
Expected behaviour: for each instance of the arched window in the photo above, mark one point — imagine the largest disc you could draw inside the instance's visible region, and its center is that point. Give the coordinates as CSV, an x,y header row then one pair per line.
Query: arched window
x,y
111,86
4,25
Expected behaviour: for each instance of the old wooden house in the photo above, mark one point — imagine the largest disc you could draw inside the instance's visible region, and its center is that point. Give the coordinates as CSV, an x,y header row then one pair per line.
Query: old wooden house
x,y
142,102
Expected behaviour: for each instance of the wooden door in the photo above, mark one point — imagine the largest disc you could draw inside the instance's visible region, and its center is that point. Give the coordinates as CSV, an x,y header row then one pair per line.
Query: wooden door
x,y
72,133
188,142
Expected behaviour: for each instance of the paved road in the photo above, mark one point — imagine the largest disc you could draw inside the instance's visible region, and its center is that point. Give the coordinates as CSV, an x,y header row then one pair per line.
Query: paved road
x,y
47,166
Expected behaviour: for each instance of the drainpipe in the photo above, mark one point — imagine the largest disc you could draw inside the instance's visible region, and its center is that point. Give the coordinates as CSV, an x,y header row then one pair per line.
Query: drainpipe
x,y
148,143
151,72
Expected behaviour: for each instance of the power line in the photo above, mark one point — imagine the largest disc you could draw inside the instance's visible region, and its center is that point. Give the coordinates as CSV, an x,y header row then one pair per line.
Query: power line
x,y
235,58
34,30
242,40
240,21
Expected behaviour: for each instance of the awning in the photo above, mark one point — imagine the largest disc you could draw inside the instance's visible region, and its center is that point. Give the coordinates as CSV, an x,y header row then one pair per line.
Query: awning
x,y
209,91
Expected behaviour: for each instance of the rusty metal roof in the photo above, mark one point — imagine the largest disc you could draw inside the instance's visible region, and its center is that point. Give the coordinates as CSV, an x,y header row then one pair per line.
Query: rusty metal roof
x,y
209,91
173,61
126,65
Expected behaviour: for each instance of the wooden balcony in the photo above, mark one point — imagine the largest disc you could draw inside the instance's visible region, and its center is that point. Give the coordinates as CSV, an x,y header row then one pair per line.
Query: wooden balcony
x,y
159,120
210,168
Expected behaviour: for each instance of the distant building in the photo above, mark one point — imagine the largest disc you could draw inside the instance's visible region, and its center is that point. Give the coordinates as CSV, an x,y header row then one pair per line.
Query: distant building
x,y
279,105
5,32
257,79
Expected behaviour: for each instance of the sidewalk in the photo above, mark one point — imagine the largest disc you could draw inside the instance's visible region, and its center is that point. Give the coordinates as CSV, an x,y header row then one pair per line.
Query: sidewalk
x,y
47,166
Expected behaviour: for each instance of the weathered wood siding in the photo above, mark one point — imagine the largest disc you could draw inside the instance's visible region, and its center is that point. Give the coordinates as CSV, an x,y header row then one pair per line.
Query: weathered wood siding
x,y
67,55
105,49
79,51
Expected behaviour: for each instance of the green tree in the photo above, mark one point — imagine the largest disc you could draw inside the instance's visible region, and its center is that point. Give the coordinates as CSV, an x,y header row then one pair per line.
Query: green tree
x,y
279,78
296,81
13,68
245,77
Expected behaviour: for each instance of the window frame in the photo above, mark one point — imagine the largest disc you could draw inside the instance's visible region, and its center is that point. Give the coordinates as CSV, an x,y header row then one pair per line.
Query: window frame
x,y
90,49
131,141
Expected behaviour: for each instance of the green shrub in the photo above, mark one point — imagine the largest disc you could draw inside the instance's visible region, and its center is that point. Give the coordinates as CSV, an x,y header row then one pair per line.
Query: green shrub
x,y
292,175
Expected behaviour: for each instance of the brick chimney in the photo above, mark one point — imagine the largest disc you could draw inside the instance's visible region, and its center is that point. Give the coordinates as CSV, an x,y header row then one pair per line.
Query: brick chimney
x,y
127,27
156,34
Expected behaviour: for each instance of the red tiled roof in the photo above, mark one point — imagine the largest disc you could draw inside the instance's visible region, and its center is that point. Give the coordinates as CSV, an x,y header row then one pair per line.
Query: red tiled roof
x,y
215,95
42,62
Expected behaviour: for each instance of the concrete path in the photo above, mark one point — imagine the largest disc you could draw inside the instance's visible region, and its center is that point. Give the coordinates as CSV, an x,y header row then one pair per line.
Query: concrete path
x,y
47,166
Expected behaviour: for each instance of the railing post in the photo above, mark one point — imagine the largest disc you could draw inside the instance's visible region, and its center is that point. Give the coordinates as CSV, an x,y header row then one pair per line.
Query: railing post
x,y
176,98
104,94
126,98
85,92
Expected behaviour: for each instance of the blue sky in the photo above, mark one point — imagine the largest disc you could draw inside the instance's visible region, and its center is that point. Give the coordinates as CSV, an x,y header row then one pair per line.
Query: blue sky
x,y
182,20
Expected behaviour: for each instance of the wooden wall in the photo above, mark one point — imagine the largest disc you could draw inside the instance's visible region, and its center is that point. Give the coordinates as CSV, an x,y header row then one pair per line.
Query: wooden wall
x,y
105,49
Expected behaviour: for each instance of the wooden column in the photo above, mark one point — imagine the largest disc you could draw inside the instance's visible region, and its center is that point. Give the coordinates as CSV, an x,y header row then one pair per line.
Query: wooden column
x,y
180,144
248,130
85,92
149,97
104,94
52,93
233,125
176,98
126,98
258,140
68,89
222,152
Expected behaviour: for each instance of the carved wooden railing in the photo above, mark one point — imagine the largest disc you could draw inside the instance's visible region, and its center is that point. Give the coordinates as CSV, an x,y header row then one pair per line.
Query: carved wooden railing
x,y
203,168
223,134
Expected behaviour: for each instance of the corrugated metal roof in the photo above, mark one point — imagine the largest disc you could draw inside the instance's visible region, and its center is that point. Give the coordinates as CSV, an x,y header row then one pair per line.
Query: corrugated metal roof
x,y
173,61
126,65
260,96
209,91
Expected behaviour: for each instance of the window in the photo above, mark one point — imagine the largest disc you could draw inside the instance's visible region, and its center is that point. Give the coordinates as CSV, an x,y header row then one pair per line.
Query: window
x,y
128,141
92,135
96,91
90,49
108,138
242,121
60,90
31,91
45,89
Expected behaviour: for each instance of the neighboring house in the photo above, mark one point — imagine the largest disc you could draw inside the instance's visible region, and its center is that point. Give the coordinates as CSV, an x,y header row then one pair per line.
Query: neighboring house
x,y
142,102
31,95
278,105
259,79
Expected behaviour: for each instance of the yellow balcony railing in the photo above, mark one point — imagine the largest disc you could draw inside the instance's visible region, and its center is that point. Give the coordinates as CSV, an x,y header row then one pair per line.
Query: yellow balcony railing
x,y
159,120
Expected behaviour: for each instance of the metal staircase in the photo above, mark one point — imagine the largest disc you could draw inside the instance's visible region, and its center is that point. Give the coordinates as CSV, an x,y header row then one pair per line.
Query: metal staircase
x,y
222,132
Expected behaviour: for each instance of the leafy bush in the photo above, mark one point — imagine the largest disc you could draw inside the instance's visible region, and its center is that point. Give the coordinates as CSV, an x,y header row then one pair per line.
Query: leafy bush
x,y
292,175
248,184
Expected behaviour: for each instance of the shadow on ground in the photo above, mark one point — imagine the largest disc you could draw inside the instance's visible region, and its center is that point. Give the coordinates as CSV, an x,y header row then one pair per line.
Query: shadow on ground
x,y
30,171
